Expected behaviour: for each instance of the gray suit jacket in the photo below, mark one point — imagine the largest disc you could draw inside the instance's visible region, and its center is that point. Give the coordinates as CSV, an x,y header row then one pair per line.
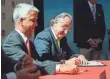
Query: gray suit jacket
x,y
47,47
14,46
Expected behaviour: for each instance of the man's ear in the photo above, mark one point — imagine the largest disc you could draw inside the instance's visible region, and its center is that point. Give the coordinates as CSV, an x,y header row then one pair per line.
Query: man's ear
x,y
21,20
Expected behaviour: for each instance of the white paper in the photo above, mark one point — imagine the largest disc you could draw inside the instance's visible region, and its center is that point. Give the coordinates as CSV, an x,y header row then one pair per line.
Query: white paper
x,y
93,63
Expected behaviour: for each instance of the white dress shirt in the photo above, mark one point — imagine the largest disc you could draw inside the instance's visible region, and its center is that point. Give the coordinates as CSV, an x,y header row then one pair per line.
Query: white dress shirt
x,y
91,6
22,35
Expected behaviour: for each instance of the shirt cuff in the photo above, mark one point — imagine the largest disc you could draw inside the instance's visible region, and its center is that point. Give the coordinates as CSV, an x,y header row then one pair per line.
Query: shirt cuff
x,y
88,40
11,75
57,68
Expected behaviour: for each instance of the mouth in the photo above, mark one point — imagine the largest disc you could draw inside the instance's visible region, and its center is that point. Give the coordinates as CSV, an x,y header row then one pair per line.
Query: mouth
x,y
62,33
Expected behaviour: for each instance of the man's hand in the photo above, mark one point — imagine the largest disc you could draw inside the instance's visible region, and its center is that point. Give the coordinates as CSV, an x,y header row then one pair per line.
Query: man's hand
x,y
98,41
74,61
68,69
93,43
27,73
83,60
26,62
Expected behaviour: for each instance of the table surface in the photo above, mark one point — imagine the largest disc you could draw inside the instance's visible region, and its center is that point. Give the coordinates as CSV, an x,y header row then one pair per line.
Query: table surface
x,y
96,72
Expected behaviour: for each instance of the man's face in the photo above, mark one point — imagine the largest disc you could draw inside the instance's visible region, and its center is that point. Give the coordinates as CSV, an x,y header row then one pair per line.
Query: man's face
x,y
30,22
62,27
93,1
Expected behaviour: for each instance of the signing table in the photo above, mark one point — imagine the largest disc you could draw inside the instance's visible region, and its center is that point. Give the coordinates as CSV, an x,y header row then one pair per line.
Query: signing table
x,y
99,72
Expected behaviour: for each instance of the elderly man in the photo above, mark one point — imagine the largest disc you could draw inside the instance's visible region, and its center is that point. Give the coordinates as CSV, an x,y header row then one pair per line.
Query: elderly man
x,y
17,43
51,44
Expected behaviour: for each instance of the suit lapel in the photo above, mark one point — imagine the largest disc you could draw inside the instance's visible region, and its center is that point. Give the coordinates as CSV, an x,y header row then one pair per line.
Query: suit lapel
x,y
21,41
89,11
54,41
98,13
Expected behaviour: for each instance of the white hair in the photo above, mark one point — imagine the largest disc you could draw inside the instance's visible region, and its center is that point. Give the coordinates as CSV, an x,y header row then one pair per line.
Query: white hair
x,y
58,17
22,10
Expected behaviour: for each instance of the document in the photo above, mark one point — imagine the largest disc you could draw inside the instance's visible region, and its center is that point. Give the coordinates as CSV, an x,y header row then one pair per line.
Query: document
x,y
94,63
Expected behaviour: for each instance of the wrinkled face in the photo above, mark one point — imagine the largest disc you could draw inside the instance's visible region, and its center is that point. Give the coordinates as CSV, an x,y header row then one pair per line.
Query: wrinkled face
x,y
93,1
62,27
30,22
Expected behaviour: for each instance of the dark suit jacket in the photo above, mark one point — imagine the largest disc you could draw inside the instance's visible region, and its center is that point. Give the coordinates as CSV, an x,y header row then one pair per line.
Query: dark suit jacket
x,y
85,28
14,46
47,47
7,65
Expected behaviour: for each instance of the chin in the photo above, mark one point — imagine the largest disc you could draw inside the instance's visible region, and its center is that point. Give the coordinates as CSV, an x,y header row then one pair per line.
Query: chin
x,y
60,37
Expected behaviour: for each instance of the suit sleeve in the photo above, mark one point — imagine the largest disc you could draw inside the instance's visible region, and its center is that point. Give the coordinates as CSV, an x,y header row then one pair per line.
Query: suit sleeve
x,y
79,26
101,23
3,76
7,63
42,45
46,67
13,48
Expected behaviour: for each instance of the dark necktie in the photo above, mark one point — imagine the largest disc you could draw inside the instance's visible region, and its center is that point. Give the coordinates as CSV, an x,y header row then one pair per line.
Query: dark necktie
x,y
94,14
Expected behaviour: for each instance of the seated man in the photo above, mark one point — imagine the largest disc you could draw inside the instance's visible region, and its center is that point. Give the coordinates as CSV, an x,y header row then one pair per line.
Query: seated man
x,y
18,44
8,65
51,44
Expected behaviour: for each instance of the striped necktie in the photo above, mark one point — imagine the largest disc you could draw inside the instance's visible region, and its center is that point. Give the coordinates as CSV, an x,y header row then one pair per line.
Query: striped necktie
x,y
94,13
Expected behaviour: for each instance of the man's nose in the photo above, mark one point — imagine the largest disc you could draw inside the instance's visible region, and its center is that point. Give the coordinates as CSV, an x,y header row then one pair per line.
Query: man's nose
x,y
65,32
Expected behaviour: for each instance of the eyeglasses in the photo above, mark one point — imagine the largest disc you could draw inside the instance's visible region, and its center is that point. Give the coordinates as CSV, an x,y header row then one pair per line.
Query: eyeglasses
x,y
65,28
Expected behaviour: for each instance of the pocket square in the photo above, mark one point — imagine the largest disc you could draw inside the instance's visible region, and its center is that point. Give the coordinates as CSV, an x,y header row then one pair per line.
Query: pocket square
x,y
99,14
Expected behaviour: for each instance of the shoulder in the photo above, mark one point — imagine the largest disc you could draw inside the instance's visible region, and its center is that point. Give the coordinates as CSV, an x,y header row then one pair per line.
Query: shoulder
x,y
12,38
44,34
99,5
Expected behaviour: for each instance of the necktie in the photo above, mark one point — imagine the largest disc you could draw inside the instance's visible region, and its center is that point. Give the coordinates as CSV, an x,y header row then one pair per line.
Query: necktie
x,y
94,14
28,47
58,42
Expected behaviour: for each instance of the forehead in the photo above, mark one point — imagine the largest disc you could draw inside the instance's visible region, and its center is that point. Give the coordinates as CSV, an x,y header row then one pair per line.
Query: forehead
x,y
65,20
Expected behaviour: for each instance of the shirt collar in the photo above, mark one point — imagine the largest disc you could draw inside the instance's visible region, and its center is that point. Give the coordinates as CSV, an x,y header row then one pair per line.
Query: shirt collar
x,y
90,4
22,35
54,33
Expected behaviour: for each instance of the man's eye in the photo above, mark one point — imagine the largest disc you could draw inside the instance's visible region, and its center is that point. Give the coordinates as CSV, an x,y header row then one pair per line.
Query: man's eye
x,y
32,20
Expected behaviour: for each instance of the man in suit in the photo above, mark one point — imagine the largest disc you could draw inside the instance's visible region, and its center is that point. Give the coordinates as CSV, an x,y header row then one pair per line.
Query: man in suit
x,y
17,43
9,66
51,44
89,28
